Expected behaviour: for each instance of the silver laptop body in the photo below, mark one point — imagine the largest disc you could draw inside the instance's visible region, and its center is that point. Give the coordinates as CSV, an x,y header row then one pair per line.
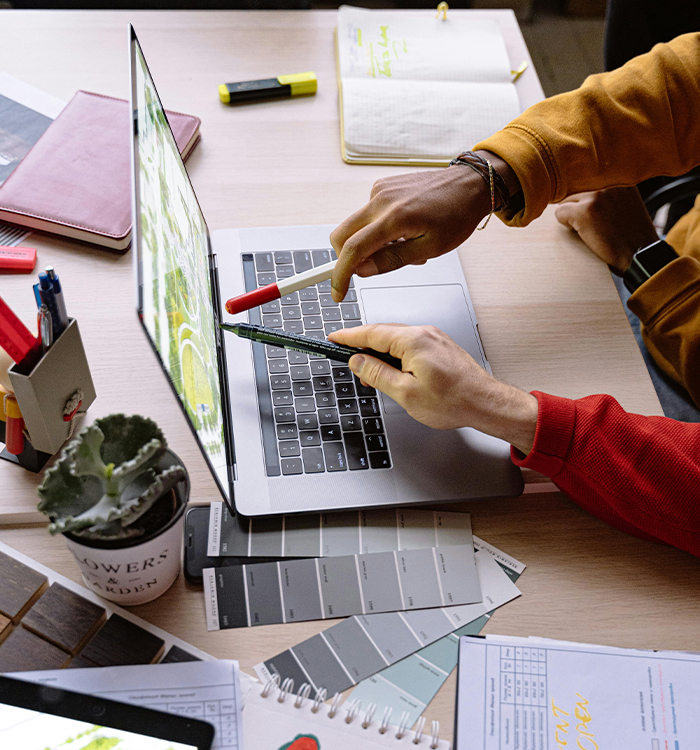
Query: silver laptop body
x,y
283,432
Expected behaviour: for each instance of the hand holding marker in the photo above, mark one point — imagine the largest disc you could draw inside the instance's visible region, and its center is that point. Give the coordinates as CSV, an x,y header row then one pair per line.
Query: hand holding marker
x,y
272,336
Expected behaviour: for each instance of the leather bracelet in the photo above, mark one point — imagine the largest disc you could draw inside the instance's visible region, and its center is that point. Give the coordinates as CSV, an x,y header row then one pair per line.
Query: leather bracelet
x,y
491,177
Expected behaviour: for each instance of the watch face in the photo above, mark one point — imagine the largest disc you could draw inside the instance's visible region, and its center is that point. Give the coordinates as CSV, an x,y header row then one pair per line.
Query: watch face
x,y
655,256
646,262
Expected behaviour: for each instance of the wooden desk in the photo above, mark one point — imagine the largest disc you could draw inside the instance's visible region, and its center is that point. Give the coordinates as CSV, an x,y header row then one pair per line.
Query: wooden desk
x,y
549,315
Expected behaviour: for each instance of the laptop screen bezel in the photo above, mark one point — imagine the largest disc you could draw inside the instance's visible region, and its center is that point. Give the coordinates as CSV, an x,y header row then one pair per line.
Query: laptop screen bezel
x,y
227,493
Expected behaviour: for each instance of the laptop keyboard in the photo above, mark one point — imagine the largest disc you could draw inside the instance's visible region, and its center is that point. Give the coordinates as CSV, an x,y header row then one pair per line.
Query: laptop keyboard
x,y
316,416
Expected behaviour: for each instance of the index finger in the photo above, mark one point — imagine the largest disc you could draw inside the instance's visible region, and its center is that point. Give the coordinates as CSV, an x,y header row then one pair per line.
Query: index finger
x,y
342,233
360,246
383,337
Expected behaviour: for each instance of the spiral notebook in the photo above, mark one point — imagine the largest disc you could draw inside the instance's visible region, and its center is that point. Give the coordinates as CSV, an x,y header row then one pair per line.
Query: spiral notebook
x,y
280,719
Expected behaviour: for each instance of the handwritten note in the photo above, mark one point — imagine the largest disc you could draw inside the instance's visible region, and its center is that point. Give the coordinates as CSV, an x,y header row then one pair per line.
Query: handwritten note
x,y
413,86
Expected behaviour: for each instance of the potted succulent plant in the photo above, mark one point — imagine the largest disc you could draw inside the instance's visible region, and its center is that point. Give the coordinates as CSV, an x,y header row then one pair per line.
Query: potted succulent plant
x,y
118,496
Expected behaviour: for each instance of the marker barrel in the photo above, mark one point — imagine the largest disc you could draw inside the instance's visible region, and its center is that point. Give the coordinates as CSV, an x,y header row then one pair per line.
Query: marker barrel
x,y
279,289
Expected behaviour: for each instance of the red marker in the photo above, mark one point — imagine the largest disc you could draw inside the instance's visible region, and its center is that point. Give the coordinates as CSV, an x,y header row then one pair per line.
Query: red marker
x,y
279,289
15,337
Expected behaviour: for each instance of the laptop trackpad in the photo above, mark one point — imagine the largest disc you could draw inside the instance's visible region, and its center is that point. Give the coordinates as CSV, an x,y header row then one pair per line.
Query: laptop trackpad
x,y
442,305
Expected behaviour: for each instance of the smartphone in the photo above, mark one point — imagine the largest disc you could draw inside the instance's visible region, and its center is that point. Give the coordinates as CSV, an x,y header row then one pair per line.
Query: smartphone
x,y
196,536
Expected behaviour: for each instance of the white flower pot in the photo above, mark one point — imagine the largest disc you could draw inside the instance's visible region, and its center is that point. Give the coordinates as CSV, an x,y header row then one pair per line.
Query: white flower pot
x,y
131,572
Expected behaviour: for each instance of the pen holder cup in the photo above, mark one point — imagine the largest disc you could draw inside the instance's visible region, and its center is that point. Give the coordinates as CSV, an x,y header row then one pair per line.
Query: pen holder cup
x,y
44,394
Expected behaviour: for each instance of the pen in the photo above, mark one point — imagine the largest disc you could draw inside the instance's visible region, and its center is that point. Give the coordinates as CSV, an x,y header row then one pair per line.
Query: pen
x,y
274,337
279,289
45,327
48,298
58,294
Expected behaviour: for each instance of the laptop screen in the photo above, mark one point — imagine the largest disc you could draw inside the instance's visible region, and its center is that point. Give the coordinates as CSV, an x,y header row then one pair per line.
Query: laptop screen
x,y
172,256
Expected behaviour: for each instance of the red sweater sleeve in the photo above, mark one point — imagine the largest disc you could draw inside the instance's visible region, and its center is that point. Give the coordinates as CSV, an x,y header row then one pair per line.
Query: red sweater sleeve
x,y
639,474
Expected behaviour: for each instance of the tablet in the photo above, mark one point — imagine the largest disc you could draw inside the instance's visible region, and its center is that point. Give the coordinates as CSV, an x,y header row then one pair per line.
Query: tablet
x,y
39,717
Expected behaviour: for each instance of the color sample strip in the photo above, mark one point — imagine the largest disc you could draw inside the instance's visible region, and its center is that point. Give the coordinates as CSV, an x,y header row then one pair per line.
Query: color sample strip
x,y
334,534
410,684
356,648
317,588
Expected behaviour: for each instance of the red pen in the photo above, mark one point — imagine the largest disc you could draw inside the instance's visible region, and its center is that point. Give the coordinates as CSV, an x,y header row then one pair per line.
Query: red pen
x,y
279,289
17,259
15,337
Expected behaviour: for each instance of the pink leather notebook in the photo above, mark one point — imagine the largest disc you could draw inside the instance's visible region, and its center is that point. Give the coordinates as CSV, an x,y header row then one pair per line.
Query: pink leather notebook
x,y
76,179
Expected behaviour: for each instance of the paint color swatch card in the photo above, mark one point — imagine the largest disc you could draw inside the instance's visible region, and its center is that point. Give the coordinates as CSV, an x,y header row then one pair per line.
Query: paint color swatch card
x,y
321,588
410,684
298,723
358,647
531,692
334,534
206,690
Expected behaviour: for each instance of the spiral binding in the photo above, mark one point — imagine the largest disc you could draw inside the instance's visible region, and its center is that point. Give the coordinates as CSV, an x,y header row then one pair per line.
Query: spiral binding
x,y
352,711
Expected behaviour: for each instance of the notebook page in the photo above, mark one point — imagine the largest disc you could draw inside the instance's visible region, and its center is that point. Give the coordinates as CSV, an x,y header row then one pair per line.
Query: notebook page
x,y
430,120
385,45
292,725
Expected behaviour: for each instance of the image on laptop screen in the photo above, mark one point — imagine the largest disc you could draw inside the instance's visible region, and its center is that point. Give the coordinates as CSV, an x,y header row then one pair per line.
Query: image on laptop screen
x,y
33,730
176,306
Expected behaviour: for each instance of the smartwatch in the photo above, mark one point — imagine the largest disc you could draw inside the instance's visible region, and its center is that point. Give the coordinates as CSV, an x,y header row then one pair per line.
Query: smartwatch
x,y
646,262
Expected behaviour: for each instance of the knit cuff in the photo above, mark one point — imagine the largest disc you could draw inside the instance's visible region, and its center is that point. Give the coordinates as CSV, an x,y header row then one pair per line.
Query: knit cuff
x,y
667,288
556,420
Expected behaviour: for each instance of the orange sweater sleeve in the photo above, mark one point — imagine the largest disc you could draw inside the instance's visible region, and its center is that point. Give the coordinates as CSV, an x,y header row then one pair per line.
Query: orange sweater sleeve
x,y
618,128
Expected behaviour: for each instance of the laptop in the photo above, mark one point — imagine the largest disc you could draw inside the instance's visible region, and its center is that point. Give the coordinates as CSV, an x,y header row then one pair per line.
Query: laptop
x,y
283,431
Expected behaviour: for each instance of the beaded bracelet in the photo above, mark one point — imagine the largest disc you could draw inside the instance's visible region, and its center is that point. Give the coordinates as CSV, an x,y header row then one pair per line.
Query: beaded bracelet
x,y
491,177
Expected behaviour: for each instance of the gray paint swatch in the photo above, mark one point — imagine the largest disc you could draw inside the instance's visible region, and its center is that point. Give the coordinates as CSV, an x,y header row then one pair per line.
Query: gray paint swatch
x,y
356,648
334,534
317,588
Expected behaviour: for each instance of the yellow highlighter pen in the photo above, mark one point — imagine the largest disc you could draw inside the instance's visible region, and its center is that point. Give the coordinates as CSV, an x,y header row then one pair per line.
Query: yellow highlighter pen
x,y
282,87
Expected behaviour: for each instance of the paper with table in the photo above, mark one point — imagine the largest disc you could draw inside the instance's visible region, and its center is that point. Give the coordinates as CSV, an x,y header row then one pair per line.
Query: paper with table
x,y
206,690
414,89
533,692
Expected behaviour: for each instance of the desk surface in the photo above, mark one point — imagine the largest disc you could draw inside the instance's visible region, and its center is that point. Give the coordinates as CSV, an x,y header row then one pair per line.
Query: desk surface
x,y
548,312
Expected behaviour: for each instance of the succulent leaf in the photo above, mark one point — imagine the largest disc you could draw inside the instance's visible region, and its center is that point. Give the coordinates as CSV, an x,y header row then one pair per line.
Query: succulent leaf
x,y
64,494
107,479
124,436
86,453
161,484
104,510
125,473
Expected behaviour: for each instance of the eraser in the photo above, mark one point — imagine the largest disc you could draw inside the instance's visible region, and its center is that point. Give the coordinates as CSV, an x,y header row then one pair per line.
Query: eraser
x,y
17,259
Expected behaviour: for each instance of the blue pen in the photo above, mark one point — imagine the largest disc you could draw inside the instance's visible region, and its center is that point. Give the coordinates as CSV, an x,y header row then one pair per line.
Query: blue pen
x,y
48,298
58,294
